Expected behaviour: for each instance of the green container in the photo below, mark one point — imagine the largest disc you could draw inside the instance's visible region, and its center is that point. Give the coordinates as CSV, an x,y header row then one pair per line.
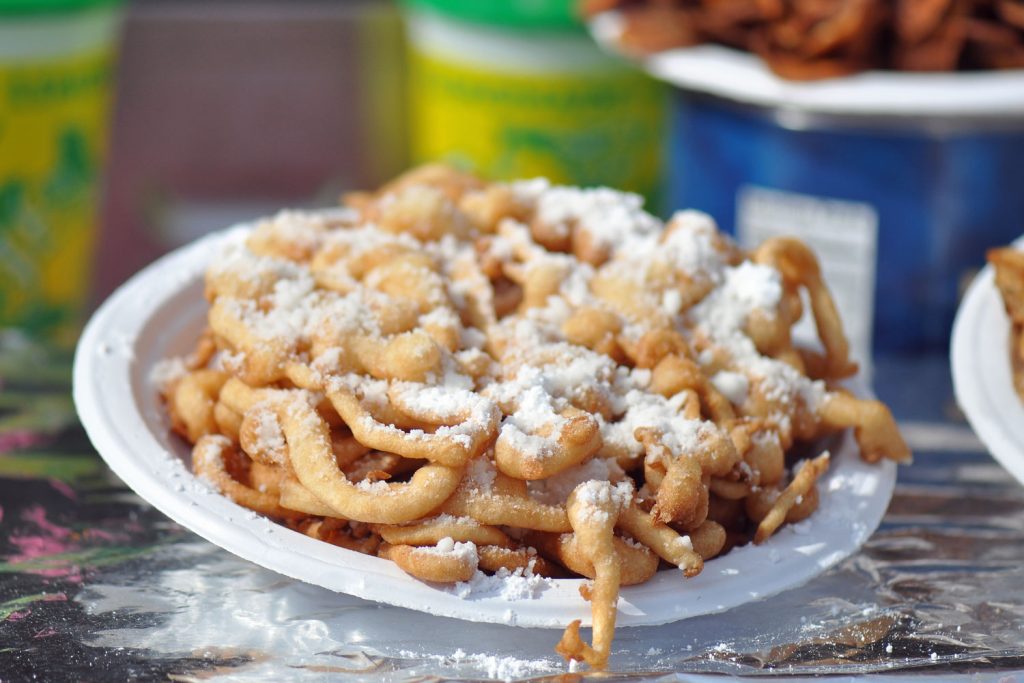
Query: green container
x,y
518,89
56,59
512,14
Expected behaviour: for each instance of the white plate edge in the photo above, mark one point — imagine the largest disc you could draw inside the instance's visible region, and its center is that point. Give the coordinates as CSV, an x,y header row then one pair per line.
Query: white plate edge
x,y
983,375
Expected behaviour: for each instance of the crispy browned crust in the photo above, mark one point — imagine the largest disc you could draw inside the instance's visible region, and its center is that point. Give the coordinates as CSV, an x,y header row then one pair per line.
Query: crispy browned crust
x,y
1009,265
815,39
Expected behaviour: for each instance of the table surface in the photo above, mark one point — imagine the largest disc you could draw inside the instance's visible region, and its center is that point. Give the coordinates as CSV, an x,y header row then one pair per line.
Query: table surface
x,y
96,585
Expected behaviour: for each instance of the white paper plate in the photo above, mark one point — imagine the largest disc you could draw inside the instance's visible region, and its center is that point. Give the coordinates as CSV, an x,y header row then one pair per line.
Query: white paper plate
x,y
744,77
983,374
159,313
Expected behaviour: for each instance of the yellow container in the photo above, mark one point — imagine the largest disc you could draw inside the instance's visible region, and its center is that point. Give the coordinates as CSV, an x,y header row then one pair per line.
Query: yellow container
x,y
55,87
513,103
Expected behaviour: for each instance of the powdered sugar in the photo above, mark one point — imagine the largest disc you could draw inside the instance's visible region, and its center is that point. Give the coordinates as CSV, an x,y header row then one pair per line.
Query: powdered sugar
x,y
606,216
596,500
480,474
535,409
724,312
446,547
653,411
269,438
296,310
166,372
671,301
723,316
444,519
244,271
781,382
492,666
518,584
752,286
689,244
555,490
732,385
444,403
604,493
374,487
211,449
228,361
303,232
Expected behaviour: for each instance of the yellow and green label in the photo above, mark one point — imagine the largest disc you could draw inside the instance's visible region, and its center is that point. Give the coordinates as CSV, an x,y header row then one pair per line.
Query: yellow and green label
x,y
601,127
53,121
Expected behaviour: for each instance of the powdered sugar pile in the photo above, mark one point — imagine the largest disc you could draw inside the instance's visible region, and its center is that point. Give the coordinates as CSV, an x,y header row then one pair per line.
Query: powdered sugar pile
x,y
269,436
723,316
520,584
480,475
596,497
555,490
374,487
166,372
446,547
492,666
605,215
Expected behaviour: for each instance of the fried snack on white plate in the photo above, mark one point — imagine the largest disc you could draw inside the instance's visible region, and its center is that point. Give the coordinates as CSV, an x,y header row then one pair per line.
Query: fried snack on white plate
x,y
518,377
1009,265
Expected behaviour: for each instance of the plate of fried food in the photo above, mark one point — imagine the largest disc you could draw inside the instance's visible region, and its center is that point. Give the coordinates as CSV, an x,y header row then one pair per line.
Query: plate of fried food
x,y
987,356
838,56
511,402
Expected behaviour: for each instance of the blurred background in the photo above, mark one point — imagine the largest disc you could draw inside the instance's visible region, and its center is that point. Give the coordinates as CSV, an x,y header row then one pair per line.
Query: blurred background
x,y
129,129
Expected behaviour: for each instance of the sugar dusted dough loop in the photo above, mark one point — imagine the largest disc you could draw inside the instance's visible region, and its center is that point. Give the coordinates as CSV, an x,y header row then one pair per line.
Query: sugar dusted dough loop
x,y
573,442
525,560
309,450
503,501
452,446
208,462
447,562
260,436
431,531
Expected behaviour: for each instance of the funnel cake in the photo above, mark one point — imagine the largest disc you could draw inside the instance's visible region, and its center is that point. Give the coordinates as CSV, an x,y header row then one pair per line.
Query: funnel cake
x,y
519,377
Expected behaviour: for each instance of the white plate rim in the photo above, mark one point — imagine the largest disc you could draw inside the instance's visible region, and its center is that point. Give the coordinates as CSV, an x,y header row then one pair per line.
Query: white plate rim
x,y
743,77
108,369
983,373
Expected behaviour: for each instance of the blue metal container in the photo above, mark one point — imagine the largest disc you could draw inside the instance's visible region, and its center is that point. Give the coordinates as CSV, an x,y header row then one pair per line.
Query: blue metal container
x,y
901,206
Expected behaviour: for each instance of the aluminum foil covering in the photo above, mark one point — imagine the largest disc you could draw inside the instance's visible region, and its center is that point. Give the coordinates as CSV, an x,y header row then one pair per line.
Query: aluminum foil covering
x,y
96,585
